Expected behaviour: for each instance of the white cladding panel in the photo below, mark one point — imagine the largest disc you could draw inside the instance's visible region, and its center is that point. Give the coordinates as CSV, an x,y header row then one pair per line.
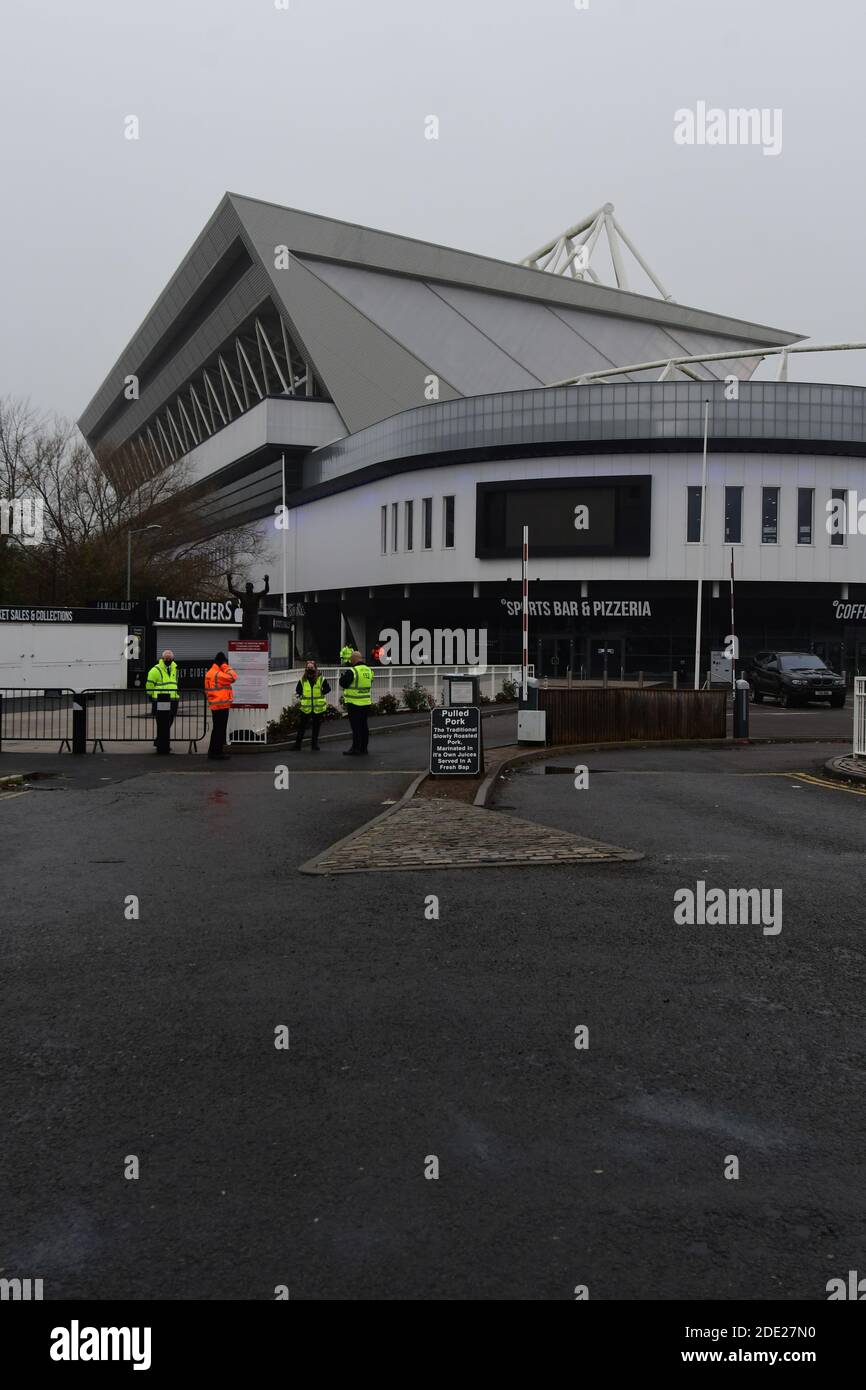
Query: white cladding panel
x,y
71,656
335,542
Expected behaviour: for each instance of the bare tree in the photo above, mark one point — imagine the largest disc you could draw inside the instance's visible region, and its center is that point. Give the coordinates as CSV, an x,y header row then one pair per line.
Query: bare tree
x,y
87,505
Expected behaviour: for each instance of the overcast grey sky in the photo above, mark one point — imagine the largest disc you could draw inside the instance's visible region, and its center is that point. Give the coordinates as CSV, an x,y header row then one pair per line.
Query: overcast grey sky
x,y
545,111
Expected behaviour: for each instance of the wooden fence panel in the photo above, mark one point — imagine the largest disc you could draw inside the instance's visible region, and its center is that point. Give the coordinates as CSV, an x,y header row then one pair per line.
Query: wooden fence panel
x,y
616,715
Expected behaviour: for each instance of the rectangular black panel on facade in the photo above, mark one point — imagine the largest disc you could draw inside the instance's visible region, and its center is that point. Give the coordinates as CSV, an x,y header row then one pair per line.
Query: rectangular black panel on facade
x,y
565,516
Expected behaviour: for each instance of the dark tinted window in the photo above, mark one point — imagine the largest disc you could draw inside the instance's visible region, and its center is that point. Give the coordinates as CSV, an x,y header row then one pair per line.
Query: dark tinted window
x,y
733,515
693,514
448,522
837,519
769,515
805,504
801,661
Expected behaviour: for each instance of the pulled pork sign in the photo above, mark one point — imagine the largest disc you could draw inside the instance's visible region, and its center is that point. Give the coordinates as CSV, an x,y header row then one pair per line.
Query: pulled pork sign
x,y
455,741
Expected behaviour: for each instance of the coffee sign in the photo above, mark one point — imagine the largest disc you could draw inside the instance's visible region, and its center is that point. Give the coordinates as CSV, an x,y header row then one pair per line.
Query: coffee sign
x,y
846,612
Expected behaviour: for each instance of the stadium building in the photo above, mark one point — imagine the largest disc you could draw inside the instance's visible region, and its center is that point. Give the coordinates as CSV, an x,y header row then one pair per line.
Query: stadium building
x,y
406,399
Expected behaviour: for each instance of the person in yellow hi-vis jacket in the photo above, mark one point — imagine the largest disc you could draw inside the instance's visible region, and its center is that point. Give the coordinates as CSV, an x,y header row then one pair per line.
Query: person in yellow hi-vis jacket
x,y
218,687
356,684
164,696
311,690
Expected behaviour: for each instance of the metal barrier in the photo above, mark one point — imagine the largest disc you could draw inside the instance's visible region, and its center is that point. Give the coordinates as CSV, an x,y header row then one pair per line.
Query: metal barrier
x,y
39,716
860,716
126,716
620,714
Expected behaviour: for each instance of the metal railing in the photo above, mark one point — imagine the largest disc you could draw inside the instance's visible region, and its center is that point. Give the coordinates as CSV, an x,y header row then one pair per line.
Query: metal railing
x,y
389,680
860,716
73,719
126,716
36,716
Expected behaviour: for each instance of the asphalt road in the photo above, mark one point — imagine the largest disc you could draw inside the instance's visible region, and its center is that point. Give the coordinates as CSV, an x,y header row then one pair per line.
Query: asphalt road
x,y
412,1037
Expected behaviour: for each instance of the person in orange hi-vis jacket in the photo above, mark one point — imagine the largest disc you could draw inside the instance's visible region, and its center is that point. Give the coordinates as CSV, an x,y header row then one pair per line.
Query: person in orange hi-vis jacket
x,y
218,688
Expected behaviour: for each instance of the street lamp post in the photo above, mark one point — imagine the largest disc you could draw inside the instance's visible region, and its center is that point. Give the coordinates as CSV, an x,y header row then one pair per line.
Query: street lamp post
x,y
129,535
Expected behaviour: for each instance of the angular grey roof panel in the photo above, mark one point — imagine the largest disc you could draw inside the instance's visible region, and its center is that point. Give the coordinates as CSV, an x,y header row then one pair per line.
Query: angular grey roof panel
x,y
375,313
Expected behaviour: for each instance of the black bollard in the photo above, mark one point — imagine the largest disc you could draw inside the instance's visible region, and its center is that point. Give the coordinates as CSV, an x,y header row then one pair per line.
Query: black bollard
x,y
79,724
741,710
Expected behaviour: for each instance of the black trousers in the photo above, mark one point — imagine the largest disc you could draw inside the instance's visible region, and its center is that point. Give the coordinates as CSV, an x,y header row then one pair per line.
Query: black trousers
x,y
218,732
164,721
302,726
358,716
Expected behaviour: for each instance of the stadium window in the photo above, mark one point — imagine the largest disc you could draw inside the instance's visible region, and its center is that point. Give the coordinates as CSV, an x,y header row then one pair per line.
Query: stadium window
x,y
409,515
837,533
427,519
384,529
693,515
769,516
733,515
395,516
448,523
805,514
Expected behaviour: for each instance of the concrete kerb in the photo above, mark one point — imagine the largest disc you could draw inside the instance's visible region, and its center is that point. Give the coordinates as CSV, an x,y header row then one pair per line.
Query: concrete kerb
x,y
13,779
311,865
487,787
847,769
559,750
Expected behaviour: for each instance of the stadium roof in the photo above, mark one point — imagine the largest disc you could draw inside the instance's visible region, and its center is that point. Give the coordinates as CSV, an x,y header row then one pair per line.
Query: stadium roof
x,y
362,318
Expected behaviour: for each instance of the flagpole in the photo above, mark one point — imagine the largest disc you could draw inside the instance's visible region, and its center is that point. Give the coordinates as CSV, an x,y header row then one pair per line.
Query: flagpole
x,y
285,538
733,633
702,560
524,682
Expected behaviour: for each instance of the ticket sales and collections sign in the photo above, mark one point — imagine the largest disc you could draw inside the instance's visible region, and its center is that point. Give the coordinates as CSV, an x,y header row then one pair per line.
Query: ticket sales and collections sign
x,y
59,615
455,741
250,660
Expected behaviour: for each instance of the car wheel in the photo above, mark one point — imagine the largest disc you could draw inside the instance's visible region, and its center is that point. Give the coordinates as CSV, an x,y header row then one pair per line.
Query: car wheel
x,y
788,701
756,695
837,701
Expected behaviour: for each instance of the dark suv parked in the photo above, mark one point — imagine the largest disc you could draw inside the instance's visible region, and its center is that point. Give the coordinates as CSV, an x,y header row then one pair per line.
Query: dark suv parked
x,y
793,678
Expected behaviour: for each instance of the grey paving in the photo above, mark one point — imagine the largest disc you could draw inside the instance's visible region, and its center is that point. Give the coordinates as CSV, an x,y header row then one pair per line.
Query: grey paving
x,y
447,834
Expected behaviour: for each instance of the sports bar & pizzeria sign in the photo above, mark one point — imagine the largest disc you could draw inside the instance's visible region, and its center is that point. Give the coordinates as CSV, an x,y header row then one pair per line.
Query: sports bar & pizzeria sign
x,y
582,608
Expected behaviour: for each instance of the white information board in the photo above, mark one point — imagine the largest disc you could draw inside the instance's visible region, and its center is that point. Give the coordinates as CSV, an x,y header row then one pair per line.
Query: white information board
x,y
250,659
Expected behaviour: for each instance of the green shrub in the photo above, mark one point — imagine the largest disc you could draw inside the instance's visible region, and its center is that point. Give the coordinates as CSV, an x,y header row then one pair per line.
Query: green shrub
x,y
287,724
508,692
388,704
415,697
485,699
